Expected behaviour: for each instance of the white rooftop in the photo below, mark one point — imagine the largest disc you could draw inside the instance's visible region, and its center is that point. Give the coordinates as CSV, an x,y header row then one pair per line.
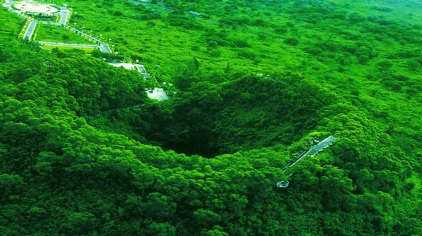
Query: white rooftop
x,y
157,94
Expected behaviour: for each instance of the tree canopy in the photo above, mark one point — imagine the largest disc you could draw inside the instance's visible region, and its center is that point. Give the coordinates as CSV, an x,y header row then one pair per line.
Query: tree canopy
x,y
83,151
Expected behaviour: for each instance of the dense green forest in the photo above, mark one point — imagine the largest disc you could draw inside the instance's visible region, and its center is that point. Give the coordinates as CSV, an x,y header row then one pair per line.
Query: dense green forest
x,y
84,151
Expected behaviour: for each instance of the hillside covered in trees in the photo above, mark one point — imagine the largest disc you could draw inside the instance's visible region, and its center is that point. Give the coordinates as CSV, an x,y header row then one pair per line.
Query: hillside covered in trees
x,y
252,84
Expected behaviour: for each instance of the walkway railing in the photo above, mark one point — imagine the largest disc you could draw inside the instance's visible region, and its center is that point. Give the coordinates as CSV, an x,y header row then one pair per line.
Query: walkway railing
x,y
312,151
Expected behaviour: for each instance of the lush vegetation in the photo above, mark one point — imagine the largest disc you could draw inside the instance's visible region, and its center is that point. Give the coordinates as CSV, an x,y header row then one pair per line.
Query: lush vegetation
x,y
53,33
83,151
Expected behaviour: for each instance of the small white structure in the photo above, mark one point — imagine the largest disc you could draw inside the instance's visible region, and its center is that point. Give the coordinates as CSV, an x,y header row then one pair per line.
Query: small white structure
x,y
131,66
282,184
127,66
157,94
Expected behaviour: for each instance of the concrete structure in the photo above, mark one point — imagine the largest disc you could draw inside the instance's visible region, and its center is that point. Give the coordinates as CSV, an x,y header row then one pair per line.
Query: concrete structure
x,y
131,66
312,151
157,94
64,16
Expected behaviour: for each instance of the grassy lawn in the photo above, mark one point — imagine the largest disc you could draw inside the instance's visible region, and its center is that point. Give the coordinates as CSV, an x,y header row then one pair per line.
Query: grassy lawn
x,y
52,33
88,50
